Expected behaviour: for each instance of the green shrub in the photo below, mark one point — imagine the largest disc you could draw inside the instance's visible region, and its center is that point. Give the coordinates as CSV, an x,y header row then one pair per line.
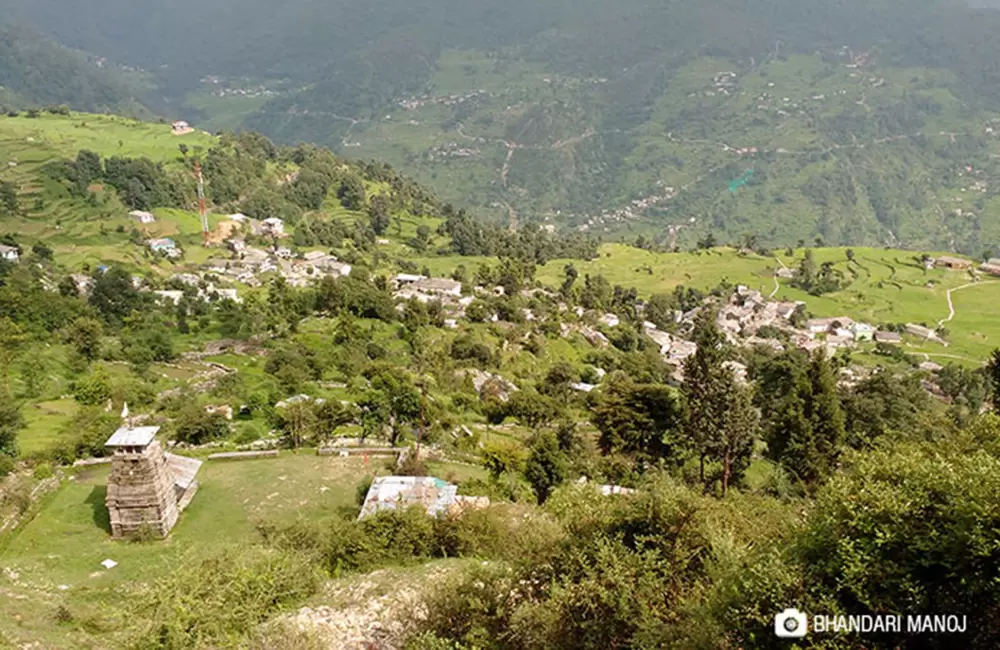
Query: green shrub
x,y
43,471
211,601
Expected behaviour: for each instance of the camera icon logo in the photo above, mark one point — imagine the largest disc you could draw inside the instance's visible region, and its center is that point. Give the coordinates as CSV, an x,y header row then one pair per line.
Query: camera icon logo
x,y
790,624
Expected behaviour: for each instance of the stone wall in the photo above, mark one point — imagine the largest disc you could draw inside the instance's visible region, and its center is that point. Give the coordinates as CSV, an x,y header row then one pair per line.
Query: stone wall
x,y
141,494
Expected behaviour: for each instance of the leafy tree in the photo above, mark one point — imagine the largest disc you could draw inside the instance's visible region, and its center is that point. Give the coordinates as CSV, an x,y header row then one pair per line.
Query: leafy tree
x,y
113,295
93,389
910,529
88,167
532,409
330,416
352,192
9,206
195,426
558,379
11,422
378,214
502,457
638,419
547,466
392,403
298,421
34,369
807,429
883,403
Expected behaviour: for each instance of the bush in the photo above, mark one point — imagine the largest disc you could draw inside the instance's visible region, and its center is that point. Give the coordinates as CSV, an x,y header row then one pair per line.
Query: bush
x,y
7,465
207,603
43,471
195,426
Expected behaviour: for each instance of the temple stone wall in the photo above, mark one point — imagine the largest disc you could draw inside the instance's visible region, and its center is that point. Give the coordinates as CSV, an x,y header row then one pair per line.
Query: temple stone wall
x,y
141,493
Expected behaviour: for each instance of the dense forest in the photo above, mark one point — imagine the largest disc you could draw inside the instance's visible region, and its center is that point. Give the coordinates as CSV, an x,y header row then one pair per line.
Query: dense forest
x,y
36,71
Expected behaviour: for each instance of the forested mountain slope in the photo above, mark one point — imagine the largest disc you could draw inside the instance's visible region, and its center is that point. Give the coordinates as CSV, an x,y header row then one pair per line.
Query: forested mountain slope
x,y
860,120
35,71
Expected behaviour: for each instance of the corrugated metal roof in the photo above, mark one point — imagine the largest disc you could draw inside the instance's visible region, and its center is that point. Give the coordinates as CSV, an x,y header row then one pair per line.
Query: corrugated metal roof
x,y
183,469
128,437
391,492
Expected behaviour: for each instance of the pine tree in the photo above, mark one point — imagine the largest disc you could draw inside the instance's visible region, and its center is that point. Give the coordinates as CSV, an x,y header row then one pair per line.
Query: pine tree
x,y
735,445
808,430
704,389
825,414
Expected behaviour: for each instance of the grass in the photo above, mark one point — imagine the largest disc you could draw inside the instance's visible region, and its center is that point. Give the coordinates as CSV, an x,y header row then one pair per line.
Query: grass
x,y
45,421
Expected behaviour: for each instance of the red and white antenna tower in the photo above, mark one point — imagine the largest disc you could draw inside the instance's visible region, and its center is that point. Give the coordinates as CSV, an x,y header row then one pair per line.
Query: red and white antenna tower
x,y
201,203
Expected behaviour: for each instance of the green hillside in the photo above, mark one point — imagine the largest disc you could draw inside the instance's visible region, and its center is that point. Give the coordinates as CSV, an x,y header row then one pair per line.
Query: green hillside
x,y
572,427
36,71
621,119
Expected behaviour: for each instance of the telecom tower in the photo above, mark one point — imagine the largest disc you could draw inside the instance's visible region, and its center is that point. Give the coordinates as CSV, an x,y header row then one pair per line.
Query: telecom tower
x,y
201,204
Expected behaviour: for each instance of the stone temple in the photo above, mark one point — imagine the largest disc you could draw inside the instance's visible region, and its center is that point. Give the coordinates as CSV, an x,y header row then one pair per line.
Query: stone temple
x,y
147,488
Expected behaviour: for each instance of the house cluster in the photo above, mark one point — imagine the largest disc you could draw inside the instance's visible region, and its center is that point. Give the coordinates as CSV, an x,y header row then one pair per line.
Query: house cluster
x,y
452,150
297,272
446,100
9,254
634,209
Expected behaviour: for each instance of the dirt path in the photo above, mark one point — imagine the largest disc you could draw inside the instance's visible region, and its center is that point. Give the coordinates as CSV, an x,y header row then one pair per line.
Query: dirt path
x,y
777,285
951,306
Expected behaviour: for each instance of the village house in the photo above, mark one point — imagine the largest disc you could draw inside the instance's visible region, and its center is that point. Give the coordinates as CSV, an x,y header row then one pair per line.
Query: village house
x,y
273,226
920,331
9,253
439,286
83,283
825,325
609,319
883,336
162,245
180,127
403,279
863,332
681,350
433,495
992,266
173,296
225,294
142,216
190,279
949,262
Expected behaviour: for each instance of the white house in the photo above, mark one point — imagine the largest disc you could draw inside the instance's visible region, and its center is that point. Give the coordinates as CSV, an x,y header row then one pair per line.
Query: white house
x,y
142,216
172,296
273,226
439,286
9,253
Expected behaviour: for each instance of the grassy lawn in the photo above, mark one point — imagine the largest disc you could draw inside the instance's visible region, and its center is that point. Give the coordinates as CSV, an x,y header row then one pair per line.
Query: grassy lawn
x,y
67,541
45,420
57,555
